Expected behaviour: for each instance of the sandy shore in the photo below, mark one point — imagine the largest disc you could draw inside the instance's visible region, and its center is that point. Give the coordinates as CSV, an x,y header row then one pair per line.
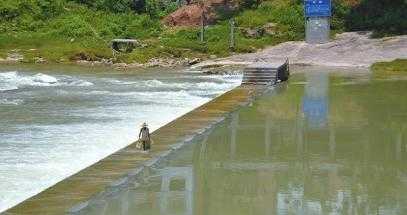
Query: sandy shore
x,y
346,50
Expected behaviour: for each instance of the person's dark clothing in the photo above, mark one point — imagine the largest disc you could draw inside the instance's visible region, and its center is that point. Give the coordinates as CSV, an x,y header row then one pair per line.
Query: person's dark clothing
x,y
144,137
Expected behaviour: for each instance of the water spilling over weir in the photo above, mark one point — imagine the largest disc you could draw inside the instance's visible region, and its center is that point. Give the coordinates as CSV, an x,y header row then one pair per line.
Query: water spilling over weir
x,y
55,121
123,166
325,143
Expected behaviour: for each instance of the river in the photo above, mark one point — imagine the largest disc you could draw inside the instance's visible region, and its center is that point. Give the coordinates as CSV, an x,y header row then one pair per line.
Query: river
x,y
57,120
324,143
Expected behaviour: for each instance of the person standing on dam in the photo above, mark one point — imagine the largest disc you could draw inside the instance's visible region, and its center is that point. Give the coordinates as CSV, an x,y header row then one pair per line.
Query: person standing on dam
x,y
144,137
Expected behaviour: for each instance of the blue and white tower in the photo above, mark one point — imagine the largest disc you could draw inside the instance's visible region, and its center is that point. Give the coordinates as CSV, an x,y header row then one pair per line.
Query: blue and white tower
x,y
317,16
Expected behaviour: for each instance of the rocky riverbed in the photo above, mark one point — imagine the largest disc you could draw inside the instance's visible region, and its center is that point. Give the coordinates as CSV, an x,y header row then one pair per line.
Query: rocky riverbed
x,y
14,58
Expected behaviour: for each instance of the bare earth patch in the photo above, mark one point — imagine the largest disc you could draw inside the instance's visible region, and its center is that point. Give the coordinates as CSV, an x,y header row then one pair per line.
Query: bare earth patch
x,y
351,49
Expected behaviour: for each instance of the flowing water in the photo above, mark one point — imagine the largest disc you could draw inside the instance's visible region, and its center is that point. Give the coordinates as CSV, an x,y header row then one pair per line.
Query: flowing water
x,y
55,121
322,144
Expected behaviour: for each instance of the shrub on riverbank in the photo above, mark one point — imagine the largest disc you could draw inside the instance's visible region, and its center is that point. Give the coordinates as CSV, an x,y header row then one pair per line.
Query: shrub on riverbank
x,y
383,17
394,68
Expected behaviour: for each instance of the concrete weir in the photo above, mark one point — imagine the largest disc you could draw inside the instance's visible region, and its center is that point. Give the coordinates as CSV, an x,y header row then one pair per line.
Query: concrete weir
x,y
71,195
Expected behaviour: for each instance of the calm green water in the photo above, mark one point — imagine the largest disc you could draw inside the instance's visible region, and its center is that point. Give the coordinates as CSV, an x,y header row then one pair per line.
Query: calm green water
x,y
321,144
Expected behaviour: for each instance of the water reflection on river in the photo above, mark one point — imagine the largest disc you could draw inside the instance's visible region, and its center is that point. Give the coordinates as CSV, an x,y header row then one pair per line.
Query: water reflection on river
x,y
323,144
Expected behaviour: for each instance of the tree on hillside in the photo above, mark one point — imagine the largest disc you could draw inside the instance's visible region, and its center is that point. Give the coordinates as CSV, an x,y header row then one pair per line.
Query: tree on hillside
x,y
384,17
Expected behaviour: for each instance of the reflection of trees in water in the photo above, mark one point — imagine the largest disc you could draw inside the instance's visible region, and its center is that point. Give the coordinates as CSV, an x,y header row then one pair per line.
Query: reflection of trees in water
x,y
353,166
265,159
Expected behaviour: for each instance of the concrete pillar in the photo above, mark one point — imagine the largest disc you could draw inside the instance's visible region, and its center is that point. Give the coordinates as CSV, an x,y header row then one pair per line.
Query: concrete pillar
x,y
232,35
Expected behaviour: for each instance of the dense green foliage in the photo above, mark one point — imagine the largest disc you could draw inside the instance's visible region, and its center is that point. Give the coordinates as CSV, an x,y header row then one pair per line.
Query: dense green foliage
x,y
151,7
66,30
81,29
384,17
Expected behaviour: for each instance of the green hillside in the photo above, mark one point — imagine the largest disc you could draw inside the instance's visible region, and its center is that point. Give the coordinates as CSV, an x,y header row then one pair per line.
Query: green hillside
x,y
70,30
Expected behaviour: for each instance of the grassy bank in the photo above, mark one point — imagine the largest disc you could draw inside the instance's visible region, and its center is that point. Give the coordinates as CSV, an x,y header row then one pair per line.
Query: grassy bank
x,y
82,33
71,30
394,68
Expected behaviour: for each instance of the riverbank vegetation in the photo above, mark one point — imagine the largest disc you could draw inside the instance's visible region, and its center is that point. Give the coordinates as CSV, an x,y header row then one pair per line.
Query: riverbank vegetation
x,y
72,30
394,68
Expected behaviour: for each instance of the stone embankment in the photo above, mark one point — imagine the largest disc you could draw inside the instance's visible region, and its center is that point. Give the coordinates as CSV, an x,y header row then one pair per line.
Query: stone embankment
x,y
353,49
154,62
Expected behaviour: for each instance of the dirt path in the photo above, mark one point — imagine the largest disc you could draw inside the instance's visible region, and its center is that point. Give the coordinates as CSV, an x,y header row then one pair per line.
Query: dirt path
x,y
347,50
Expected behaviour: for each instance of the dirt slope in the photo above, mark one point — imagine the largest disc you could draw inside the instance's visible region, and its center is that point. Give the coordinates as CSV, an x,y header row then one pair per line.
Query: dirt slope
x,y
190,15
347,50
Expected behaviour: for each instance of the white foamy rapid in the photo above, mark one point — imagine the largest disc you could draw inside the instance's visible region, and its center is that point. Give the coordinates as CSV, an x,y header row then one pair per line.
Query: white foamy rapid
x,y
52,125
15,80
